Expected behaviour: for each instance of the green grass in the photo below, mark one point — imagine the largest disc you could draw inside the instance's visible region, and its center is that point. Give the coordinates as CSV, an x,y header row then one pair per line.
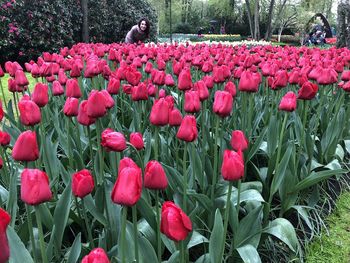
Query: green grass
x,y
335,246
8,94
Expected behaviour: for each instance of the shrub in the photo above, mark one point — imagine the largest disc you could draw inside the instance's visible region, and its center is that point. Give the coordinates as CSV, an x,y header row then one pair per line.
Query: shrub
x,y
229,38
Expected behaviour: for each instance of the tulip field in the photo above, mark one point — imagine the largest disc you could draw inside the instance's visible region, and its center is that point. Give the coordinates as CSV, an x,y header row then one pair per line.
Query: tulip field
x,y
170,153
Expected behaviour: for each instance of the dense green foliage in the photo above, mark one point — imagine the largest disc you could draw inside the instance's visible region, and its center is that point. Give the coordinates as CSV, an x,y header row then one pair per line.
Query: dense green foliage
x,y
28,28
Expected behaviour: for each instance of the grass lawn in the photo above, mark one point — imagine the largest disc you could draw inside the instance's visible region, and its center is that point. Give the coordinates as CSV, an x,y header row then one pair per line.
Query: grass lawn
x,y
8,94
333,247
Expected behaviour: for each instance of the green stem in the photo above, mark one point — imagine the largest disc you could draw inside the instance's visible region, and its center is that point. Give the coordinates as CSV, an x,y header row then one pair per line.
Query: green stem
x,y
182,252
100,178
16,109
238,197
123,233
134,221
70,156
31,234
226,217
204,141
159,245
215,171
3,95
41,236
184,171
156,138
90,148
87,225
280,141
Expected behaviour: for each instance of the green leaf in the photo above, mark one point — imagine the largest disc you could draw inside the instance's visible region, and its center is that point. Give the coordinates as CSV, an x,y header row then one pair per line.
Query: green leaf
x,y
249,254
196,239
75,250
175,257
18,252
256,145
280,171
316,177
339,152
347,145
272,135
283,230
333,165
204,259
217,240
61,215
249,229
90,206
147,253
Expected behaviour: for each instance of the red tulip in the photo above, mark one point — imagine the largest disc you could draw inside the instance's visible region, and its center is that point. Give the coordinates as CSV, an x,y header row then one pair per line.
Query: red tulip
x,y
2,73
26,147
185,80
71,107
5,138
209,81
231,88
73,89
174,223
62,77
136,140
248,82
155,177
41,94
175,117
169,81
133,76
307,91
288,102
128,187
35,188
192,102
82,183
232,168
160,112
1,111
83,118
113,141
139,92
109,101
202,90
29,111
97,255
5,220
188,129
223,103
113,86
57,88
96,104
238,141
20,78
158,77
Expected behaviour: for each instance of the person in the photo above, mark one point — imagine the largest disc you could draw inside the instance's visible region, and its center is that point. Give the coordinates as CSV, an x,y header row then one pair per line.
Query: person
x,y
222,30
138,32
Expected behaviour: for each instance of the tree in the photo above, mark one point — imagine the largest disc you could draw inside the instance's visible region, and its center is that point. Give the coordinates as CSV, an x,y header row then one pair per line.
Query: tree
x,y
85,25
343,34
269,21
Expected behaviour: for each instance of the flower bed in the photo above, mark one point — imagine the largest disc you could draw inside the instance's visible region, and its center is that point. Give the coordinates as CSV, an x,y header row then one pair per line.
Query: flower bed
x,y
199,153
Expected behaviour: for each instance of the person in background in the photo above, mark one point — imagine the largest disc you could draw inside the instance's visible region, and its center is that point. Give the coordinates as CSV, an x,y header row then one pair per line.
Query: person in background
x,y
222,30
138,32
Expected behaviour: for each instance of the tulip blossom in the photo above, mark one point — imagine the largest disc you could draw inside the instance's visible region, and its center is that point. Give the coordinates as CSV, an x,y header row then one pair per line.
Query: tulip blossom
x,y
29,111
192,102
175,224
113,86
96,104
5,138
238,141
73,89
57,88
128,187
188,129
40,94
71,107
136,140
82,183
35,188
223,103
288,102
83,118
185,79
113,141
232,168
26,147
307,91
155,177
160,112
5,219
97,255
175,117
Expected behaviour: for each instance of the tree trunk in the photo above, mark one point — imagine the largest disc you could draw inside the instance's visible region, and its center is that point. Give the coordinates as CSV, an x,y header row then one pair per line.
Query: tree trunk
x,y
250,19
269,21
256,21
279,12
183,10
85,26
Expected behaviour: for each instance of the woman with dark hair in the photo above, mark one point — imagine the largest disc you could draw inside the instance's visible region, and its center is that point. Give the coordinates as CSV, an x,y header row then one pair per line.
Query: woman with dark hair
x,y
138,32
